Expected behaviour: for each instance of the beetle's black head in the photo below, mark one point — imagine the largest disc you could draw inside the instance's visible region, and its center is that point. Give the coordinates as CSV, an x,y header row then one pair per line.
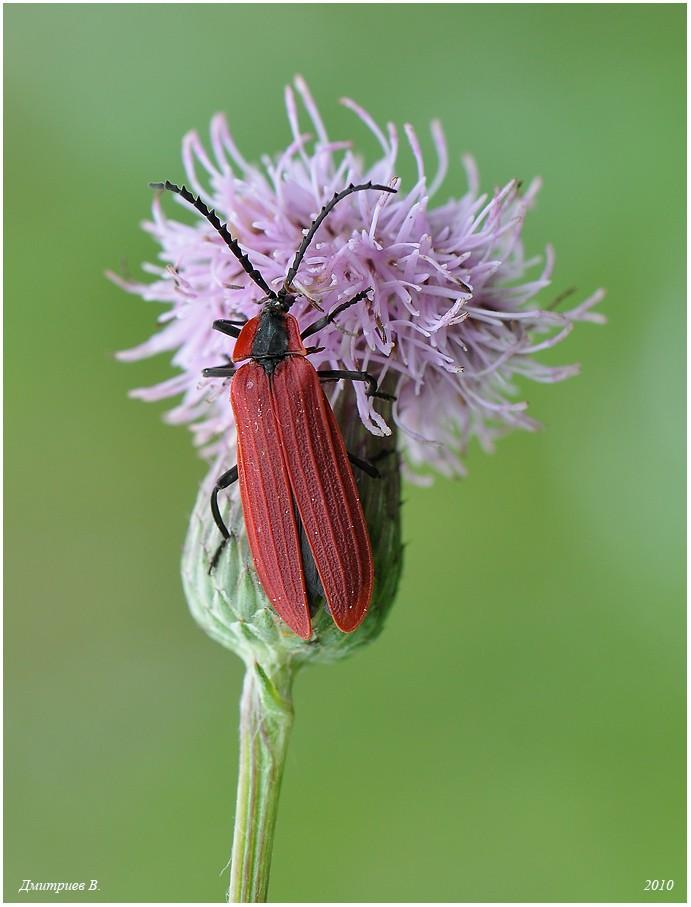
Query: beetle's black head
x,y
284,300
279,303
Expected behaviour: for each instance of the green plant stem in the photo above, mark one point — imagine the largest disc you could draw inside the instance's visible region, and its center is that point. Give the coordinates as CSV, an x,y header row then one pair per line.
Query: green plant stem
x,y
266,716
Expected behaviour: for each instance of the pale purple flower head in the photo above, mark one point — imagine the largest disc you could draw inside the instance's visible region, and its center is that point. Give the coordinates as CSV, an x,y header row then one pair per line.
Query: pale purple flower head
x,y
453,320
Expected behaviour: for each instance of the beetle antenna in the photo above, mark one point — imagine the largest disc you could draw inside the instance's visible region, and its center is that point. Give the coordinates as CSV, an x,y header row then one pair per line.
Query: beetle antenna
x,y
316,223
221,229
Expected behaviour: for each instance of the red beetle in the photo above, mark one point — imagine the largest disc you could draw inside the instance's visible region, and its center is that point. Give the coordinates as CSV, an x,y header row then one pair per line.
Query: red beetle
x,y
303,516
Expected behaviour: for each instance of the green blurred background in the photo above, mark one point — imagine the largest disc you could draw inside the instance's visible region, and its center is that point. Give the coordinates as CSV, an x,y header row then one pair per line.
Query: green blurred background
x,y
521,719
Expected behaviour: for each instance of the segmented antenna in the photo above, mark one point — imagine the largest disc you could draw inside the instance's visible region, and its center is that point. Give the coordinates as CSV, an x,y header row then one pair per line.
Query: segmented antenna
x,y
221,229
316,223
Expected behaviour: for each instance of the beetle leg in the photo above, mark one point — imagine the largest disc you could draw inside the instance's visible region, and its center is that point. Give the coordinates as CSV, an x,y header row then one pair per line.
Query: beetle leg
x,y
223,482
219,371
226,327
365,466
333,314
370,381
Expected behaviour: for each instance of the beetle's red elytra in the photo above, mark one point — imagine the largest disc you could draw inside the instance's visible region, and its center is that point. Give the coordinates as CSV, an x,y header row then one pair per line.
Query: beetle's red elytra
x,y
294,471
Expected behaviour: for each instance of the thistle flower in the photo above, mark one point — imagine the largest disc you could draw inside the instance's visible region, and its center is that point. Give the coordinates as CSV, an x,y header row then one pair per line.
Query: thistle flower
x,y
450,324
453,319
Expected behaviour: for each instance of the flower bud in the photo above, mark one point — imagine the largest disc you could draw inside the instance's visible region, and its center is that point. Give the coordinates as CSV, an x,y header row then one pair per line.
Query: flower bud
x,y
229,603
